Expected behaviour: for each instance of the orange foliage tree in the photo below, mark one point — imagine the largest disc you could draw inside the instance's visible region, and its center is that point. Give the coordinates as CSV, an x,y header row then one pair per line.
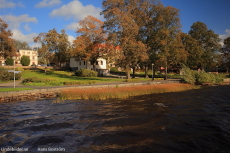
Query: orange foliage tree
x,y
88,45
123,30
7,48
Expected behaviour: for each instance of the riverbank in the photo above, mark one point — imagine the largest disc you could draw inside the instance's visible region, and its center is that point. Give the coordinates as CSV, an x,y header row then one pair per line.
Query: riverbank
x,y
51,92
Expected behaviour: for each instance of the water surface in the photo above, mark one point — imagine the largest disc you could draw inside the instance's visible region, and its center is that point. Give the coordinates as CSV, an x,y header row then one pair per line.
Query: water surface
x,y
191,121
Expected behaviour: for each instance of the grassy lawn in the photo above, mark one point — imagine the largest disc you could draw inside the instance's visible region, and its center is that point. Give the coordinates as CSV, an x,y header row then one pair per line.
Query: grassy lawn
x,y
64,76
14,89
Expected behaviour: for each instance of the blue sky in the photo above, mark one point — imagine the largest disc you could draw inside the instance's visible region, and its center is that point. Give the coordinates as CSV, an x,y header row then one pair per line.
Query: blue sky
x,y
28,18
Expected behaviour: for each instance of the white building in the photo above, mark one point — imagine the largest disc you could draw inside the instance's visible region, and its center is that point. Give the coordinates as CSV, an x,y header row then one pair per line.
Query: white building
x,y
100,65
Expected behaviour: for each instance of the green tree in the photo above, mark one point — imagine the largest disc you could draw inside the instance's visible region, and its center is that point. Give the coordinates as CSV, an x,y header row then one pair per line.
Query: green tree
x,y
25,60
7,48
21,45
208,42
54,43
225,56
193,49
9,61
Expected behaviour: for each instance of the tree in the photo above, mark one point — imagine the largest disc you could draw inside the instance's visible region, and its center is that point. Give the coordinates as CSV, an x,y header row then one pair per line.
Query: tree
x,y
21,45
54,43
9,61
208,42
123,29
226,53
25,60
7,48
88,44
193,49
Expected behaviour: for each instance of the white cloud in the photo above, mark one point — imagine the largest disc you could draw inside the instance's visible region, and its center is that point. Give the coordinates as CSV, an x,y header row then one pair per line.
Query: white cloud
x,y
73,26
35,45
76,10
71,39
15,21
27,28
18,35
224,36
7,4
48,3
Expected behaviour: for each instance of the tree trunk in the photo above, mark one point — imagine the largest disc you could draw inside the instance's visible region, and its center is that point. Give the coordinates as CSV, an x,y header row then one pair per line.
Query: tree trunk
x,y
146,71
166,70
133,72
127,72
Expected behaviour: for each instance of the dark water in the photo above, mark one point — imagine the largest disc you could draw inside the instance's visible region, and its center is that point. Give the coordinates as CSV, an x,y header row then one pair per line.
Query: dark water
x,y
191,121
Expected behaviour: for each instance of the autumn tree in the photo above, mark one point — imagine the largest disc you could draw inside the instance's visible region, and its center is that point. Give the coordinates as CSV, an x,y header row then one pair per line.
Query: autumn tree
x,y
208,42
123,29
55,43
88,44
7,48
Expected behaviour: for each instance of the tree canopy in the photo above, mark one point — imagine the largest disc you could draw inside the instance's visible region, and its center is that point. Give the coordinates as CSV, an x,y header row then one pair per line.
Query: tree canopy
x,y
207,40
91,36
7,48
55,43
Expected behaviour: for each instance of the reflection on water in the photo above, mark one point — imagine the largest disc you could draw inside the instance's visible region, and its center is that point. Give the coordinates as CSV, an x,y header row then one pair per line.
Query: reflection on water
x,y
191,121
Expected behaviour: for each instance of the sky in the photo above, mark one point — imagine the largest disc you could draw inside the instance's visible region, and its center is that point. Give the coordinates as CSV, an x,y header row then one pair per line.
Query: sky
x,y
28,18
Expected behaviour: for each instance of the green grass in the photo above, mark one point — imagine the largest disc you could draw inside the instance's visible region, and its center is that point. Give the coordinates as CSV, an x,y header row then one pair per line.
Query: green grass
x,y
14,89
59,78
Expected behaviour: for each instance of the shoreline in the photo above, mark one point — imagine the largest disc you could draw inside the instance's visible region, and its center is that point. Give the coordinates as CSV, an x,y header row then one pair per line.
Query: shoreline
x,y
52,92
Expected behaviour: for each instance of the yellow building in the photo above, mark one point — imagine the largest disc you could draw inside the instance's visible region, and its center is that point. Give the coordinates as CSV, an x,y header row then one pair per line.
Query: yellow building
x,y
32,54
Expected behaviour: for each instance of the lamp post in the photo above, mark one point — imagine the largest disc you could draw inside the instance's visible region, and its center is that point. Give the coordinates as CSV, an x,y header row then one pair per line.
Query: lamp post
x,y
14,57
152,71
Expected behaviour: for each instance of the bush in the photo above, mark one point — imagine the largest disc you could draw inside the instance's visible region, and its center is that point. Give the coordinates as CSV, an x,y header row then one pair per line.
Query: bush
x,y
7,76
195,77
25,60
86,73
9,61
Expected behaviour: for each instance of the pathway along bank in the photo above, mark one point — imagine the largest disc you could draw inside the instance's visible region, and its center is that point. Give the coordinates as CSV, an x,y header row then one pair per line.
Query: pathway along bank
x,y
45,93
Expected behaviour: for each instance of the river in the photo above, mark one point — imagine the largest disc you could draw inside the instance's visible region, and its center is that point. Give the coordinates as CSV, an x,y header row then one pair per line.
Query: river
x,y
190,121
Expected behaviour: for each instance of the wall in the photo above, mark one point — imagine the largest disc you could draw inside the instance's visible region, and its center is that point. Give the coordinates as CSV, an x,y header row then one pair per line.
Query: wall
x,y
81,64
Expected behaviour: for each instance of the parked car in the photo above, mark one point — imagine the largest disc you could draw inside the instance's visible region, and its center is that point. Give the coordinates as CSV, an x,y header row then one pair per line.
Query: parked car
x,y
43,65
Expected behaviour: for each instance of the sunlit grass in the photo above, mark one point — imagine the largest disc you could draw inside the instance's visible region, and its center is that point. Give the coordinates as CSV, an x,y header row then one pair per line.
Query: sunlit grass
x,y
65,78
122,92
14,89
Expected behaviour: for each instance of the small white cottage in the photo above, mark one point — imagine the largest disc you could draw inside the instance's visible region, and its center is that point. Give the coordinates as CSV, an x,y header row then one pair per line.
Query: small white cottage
x,y
85,64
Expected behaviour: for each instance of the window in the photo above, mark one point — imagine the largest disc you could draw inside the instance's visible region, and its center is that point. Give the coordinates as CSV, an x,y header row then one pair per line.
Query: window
x,y
96,62
79,63
101,62
84,62
33,58
91,63
28,52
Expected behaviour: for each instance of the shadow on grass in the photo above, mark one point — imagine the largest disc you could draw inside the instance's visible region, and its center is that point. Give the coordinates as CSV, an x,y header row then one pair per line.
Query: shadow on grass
x,y
66,76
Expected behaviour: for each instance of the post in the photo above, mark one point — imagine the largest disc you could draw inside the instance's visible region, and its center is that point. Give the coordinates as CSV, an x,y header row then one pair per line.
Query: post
x,y
14,57
152,72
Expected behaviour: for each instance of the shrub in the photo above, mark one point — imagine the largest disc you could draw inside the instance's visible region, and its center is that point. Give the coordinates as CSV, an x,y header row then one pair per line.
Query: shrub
x,y
25,60
9,61
17,76
86,73
195,77
7,76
